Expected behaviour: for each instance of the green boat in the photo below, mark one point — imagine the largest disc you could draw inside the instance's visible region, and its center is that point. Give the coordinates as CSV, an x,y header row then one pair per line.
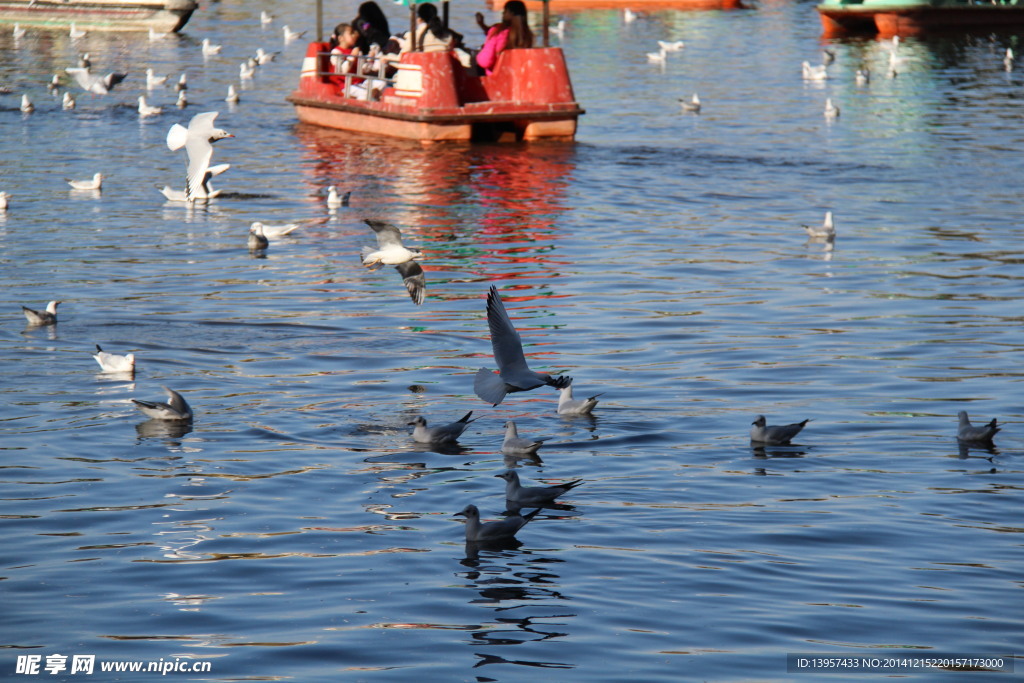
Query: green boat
x,y
912,17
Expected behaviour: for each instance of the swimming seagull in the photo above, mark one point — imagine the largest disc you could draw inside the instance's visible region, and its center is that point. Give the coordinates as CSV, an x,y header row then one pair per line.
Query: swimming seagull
x,y
263,57
198,141
827,230
68,102
513,372
246,70
182,100
4,198
290,35
530,496
54,85
112,362
489,531
209,49
513,444
232,97
148,109
155,35
658,57
558,29
47,317
567,405
152,80
628,16
18,32
814,73
176,408
266,18
26,105
774,435
863,76
674,46
692,104
1008,59
969,433
182,83
95,183
445,434
333,200
75,33
98,85
831,110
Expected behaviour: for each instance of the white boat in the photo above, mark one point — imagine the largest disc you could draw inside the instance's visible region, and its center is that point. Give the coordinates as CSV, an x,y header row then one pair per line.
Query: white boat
x,y
163,16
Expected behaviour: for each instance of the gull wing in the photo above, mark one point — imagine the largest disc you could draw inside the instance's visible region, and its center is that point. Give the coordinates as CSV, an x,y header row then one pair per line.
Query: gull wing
x,y
387,234
505,341
200,151
177,136
415,281
113,79
82,76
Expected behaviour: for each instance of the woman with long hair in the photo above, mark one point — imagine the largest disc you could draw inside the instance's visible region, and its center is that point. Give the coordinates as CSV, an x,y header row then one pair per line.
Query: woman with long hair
x,y
512,32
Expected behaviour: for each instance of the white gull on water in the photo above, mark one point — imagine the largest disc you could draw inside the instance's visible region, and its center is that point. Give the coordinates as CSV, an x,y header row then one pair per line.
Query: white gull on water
x,y
47,317
567,405
513,372
112,362
95,183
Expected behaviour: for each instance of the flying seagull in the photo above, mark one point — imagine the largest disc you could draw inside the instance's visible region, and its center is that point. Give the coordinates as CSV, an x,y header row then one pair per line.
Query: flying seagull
x,y
198,141
513,372
98,85
391,251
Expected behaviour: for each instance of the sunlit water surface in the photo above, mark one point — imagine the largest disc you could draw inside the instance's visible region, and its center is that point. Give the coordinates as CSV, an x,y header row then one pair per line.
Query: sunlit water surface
x,y
296,532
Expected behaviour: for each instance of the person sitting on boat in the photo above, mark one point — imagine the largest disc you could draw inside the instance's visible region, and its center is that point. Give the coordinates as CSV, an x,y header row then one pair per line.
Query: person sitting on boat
x,y
431,33
344,59
372,26
512,31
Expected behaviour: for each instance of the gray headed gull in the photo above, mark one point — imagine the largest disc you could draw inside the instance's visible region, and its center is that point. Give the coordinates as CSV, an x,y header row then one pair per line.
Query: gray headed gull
x,y
111,362
94,183
530,496
198,141
448,433
98,85
290,35
970,433
513,372
47,317
390,249
774,435
263,57
825,231
567,405
257,238
513,444
176,408
490,531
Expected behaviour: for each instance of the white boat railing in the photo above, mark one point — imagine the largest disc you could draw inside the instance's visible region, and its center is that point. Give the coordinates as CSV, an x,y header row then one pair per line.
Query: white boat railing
x,y
365,77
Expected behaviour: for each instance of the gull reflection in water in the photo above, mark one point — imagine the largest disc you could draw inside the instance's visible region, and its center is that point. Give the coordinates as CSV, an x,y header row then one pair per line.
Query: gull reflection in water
x,y
778,451
964,450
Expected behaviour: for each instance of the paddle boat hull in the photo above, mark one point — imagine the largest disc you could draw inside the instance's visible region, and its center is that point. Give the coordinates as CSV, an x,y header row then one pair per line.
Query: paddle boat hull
x,y
434,98
913,17
163,16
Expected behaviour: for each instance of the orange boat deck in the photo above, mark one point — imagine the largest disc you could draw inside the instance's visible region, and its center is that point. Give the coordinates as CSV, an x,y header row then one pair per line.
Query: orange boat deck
x,y
529,96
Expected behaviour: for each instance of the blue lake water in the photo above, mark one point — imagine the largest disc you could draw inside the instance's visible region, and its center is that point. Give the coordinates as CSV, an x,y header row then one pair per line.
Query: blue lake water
x,y
296,532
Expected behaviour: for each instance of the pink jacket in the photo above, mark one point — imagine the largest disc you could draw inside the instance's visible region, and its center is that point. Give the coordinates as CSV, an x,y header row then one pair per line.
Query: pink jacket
x,y
493,45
